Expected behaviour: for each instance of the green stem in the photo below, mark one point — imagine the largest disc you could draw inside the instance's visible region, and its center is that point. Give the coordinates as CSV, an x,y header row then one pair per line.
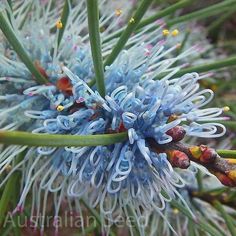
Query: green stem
x,y
95,42
11,36
230,61
132,25
226,153
228,219
153,18
64,18
60,140
203,13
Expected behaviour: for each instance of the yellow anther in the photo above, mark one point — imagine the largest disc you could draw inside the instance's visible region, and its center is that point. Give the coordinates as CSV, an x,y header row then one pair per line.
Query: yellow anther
x,y
175,32
176,211
131,20
118,12
165,32
60,108
226,108
214,87
8,168
102,29
59,24
173,117
178,45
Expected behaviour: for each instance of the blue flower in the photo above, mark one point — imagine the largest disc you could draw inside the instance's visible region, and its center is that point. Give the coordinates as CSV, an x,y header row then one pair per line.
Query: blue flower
x,y
115,177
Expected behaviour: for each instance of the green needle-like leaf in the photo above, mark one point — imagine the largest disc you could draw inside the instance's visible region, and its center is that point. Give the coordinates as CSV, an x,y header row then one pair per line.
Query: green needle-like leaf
x,y
92,211
95,42
230,61
8,190
203,13
13,40
6,196
6,231
64,18
24,18
227,153
217,23
203,225
228,219
199,180
95,214
89,229
60,140
9,3
132,25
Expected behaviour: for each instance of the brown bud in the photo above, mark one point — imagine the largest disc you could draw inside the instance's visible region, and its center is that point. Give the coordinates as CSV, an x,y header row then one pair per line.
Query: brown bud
x,y
208,154
178,159
177,133
224,179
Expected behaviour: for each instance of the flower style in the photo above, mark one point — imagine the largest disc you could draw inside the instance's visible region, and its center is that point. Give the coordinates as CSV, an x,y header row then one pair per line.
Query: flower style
x,y
119,177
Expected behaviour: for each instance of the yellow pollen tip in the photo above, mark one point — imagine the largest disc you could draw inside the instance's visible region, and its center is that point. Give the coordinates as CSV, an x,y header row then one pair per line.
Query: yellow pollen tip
x,y
175,32
176,211
60,108
225,109
118,12
172,118
59,24
131,20
165,32
8,168
214,87
178,45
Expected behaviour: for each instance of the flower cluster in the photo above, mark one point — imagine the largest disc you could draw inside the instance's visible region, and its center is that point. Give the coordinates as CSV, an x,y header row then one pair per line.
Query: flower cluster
x,y
116,177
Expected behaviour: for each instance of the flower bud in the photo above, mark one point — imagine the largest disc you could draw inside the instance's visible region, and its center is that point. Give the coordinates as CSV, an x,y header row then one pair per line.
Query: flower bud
x,y
177,133
208,154
232,175
224,179
178,159
196,152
